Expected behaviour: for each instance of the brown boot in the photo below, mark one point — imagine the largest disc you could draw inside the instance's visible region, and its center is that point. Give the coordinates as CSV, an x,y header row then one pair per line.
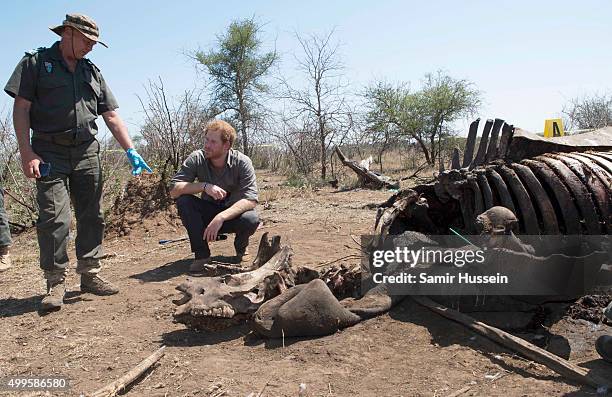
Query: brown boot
x,y
56,290
5,258
96,285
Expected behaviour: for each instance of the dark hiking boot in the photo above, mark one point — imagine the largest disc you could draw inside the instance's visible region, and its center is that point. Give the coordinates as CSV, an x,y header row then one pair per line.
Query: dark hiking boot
x,y
54,299
199,265
96,285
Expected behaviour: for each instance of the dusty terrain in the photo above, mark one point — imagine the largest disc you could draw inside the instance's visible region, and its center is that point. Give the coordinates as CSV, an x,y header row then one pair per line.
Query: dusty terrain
x,y
408,352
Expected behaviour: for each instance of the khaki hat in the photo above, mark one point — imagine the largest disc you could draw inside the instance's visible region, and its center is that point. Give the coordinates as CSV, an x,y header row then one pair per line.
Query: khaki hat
x,y
83,24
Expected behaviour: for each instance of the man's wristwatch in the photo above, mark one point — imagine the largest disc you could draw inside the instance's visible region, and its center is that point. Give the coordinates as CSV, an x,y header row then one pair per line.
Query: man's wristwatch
x,y
204,186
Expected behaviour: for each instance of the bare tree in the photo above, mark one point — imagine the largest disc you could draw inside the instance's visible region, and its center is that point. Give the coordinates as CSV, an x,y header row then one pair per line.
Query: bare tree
x,y
593,111
320,106
301,145
172,127
22,206
9,150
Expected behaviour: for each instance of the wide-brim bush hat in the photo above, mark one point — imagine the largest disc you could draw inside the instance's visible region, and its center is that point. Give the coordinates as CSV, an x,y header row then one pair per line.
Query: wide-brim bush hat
x,y
83,24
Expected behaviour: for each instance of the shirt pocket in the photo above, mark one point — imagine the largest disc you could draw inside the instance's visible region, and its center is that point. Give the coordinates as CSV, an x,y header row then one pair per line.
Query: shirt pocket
x,y
92,87
54,93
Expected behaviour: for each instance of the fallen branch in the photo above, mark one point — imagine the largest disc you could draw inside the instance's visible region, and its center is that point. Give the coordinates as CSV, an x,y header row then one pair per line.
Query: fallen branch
x,y
112,389
30,208
415,173
369,178
555,363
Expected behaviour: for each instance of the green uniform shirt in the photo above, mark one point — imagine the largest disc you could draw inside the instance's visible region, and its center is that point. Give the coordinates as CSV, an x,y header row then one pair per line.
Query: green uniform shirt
x,y
62,101
237,177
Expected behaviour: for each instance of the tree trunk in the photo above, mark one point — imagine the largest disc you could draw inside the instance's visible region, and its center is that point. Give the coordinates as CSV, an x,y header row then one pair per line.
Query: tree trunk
x,y
425,151
323,151
243,124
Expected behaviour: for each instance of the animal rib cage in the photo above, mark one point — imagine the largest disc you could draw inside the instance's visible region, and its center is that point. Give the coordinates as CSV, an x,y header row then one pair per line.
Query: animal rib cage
x,y
564,191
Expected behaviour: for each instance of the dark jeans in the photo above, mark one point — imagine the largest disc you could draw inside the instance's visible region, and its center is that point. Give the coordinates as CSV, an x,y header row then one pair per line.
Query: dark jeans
x,y
196,214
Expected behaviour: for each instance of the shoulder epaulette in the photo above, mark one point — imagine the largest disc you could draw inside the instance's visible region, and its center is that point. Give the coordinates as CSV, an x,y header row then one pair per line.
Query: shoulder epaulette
x,y
92,64
36,51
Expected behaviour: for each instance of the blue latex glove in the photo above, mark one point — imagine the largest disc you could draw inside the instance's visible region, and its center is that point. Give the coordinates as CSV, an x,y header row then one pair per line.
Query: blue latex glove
x,y
137,162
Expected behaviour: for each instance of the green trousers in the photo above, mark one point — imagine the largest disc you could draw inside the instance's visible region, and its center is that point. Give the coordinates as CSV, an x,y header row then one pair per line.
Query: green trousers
x,y
5,232
75,176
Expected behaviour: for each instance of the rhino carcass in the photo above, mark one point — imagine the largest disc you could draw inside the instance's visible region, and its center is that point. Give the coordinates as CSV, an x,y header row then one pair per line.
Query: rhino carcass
x,y
515,183
217,302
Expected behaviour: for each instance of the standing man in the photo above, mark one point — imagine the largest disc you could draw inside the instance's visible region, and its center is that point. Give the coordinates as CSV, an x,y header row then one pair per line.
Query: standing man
x,y
5,236
226,182
58,95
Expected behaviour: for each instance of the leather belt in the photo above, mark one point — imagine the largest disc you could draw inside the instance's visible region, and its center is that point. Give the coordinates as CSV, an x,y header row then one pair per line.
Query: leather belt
x,y
63,138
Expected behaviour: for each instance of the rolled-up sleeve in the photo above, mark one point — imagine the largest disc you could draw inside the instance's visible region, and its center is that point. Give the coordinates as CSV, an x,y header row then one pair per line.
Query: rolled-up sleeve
x,y
188,171
247,184
22,82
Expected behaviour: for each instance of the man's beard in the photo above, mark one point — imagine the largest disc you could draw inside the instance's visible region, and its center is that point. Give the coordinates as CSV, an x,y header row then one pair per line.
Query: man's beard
x,y
214,155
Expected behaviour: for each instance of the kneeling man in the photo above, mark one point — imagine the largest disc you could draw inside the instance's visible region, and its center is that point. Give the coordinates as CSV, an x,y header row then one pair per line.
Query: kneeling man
x,y
226,182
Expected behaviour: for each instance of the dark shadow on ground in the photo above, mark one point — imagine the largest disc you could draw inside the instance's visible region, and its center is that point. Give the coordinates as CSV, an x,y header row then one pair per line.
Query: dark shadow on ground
x,y
445,332
599,370
225,260
253,339
187,337
11,307
164,272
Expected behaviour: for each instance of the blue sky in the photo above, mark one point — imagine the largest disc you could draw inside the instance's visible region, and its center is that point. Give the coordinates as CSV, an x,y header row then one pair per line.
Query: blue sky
x,y
527,57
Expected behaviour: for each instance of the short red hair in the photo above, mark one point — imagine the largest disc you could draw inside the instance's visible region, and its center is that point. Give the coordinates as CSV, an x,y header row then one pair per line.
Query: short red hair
x,y
228,133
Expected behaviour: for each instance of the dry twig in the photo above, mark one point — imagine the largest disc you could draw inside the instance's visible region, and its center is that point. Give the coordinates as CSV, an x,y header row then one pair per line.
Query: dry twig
x,y
112,389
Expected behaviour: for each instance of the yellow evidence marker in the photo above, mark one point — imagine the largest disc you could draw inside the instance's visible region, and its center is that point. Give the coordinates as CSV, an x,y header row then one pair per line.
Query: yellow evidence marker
x,y
553,127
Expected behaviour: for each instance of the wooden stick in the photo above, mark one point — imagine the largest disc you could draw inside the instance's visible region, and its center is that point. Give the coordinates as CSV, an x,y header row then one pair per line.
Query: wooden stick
x,y
555,363
112,389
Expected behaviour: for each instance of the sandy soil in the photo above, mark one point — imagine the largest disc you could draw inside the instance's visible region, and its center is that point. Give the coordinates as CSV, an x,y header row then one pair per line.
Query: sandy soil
x,y
407,352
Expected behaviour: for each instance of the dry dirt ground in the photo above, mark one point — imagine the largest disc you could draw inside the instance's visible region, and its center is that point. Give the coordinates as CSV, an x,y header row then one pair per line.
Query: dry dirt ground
x,y
407,352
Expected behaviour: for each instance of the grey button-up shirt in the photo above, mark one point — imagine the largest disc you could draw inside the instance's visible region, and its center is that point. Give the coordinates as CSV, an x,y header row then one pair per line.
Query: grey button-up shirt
x,y
237,177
